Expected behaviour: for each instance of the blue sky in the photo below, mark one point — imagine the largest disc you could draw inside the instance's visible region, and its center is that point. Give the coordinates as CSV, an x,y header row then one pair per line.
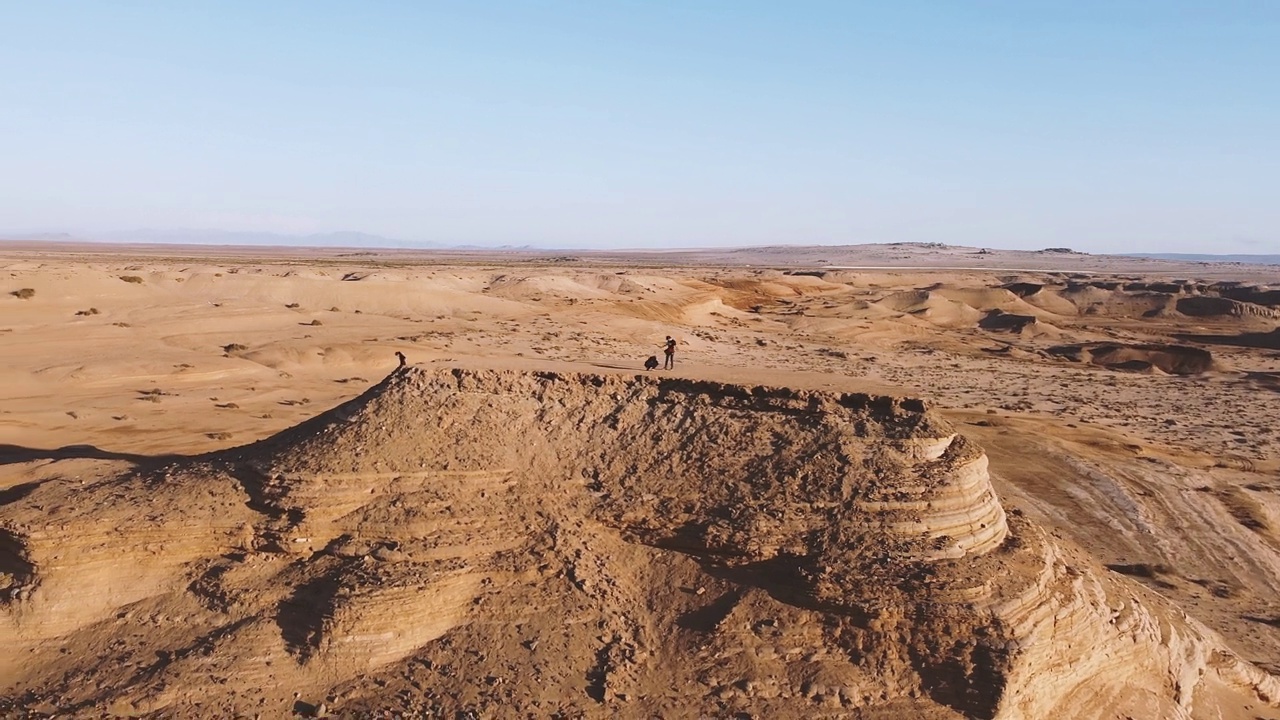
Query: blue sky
x,y
1109,126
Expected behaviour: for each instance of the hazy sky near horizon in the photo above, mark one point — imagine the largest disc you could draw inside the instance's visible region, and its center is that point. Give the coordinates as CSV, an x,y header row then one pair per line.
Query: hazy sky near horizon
x,y
1102,125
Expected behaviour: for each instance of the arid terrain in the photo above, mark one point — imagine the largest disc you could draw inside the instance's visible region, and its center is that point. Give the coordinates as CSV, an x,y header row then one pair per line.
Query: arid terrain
x,y
896,481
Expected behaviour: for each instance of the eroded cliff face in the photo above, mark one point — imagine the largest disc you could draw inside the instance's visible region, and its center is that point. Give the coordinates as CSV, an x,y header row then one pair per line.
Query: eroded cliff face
x,y
534,543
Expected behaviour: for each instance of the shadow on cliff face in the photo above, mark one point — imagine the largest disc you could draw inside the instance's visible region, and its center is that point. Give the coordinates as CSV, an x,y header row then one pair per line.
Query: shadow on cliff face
x,y
301,616
1264,340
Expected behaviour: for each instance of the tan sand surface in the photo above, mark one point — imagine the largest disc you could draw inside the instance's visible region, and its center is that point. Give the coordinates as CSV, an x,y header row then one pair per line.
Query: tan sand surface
x,y
1048,490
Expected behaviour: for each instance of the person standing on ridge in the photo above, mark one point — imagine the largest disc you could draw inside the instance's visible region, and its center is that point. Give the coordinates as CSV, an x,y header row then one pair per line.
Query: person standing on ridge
x,y
670,350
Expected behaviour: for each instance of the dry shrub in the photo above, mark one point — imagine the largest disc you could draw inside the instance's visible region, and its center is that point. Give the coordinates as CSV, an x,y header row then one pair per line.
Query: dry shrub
x,y
131,279
24,293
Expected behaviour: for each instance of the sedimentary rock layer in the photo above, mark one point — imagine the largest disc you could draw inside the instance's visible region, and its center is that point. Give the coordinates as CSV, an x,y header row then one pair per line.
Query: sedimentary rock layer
x,y
604,545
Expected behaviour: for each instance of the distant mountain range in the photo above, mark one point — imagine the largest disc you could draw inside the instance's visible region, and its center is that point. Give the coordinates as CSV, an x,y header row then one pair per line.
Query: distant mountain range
x,y
182,236
352,239
1193,257
230,237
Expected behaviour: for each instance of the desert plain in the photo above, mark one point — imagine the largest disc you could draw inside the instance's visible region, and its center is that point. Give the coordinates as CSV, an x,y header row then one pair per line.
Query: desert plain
x,y
894,481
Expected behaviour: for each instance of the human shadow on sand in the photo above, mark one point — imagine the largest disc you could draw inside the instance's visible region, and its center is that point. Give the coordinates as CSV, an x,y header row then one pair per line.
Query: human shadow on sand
x,y
14,454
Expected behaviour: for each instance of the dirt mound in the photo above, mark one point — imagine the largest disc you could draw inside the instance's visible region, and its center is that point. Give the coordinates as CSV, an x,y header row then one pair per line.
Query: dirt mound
x,y
1269,297
465,543
1266,340
1108,300
772,286
1172,359
1205,306
931,307
1113,298
1044,297
985,299
1167,288
952,306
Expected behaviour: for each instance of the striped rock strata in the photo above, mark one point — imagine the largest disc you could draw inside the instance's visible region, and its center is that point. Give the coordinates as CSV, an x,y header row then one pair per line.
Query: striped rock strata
x,y
486,539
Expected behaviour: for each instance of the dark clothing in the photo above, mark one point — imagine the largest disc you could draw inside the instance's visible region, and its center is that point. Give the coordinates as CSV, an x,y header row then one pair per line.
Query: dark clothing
x,y
403,360
670,350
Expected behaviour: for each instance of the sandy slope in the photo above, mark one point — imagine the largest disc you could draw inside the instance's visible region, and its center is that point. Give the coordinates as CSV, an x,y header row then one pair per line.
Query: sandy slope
x,y
1129,424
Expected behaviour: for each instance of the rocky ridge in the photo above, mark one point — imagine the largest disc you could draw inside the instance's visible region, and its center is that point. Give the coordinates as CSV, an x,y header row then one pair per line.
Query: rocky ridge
x,y
605,545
